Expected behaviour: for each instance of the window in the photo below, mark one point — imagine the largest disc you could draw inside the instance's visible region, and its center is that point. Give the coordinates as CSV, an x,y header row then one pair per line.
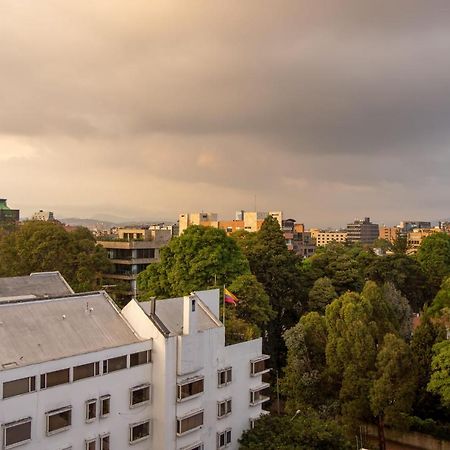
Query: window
x,y
196,446
191,388
104,442
86,371
139,431
17,387
139,395
90,444
224,438
91,410
16,433
59,420
189,423
105,405
257,396
136,359
224,377
55,378
258,366
224,408
113,364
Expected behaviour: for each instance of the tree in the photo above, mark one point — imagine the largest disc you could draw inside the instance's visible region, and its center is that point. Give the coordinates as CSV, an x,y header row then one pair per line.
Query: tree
x,y
275,267
237,329
44,246
442,299
254,303
305,431
306,382
392,392
401,309
440,371
200,258
434,257
321,294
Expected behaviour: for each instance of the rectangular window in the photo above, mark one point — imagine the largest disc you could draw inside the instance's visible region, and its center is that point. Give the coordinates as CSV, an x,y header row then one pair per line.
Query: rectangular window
x,y
258,366
139,395
197,446
224,377
105,405
136,359
91,410
86,371
139,431
257,395
55,378
17,387
187,389
59,420
223,408
91,444
224,438
113,364
189,423
16,433
104,442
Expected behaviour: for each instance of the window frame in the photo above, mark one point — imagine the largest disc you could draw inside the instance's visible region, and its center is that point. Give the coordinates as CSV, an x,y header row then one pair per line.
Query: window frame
x,y
31,386
95,364
255,361
188,416
92,401
228,408
87,442
54,412
44,378
7,426
227,435
106,363
102,443
256,390
102,399
148,358
137,424
196,446
137,388
186,382
229,378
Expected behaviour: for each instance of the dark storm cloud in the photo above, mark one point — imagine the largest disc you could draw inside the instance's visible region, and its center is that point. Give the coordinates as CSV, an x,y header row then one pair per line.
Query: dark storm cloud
x,y
308,96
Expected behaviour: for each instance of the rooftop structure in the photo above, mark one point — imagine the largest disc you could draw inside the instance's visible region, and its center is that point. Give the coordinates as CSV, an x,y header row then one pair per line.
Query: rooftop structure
x,y
8,215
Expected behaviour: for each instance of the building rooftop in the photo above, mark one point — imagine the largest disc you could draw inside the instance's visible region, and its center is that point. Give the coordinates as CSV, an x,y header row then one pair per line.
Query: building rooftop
x,y
36,285
40,330
170,313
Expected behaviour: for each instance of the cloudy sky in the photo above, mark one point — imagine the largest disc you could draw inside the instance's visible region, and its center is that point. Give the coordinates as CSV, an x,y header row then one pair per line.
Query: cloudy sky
x,y
328,110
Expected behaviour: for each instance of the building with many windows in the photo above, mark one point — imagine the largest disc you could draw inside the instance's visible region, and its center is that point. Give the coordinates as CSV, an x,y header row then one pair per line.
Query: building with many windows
x,y
362,231
325,237
77,373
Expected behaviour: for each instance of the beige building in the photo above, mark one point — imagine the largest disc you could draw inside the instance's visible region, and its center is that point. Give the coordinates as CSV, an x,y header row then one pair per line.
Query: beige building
x,y
416,237
324,237
389,234
207,219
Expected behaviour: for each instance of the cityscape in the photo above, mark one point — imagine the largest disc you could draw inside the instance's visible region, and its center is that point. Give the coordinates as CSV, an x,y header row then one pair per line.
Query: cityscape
x,y
224,225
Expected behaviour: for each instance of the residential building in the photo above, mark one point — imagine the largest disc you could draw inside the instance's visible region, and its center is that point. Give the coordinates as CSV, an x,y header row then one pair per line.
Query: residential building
x,y
131,250
297,239
416,237
325,237
45,216
207,219
8,215
77,373
362,231
389,234
406,227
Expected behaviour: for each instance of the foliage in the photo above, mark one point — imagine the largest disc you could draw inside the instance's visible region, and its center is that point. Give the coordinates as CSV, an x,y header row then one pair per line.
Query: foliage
x,y
442,299
45,246
434,257
400,245
401,309
305,431
201,257
440,371
321,294
405,273
392,392
254,303
430,426
237,329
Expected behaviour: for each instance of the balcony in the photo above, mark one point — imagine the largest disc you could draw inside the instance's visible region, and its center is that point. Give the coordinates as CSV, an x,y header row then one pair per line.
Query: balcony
x,y
257,395
258,366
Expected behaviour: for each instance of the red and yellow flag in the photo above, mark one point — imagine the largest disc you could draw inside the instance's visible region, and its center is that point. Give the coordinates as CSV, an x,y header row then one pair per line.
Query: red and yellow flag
x,y
229,297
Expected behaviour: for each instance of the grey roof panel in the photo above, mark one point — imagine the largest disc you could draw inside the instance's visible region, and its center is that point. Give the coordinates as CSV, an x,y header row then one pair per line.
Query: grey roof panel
x,y
35,331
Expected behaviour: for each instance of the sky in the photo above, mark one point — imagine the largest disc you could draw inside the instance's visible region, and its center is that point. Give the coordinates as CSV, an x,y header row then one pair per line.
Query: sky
x,y
327,110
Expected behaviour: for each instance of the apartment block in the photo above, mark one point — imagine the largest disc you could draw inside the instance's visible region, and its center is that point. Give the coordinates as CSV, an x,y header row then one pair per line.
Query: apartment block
x,y
362,231
325,237
389,234
297,239
207,219
78,373
43,216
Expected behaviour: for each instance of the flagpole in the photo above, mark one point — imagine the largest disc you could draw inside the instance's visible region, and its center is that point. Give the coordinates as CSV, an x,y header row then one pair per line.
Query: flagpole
x,y
223,309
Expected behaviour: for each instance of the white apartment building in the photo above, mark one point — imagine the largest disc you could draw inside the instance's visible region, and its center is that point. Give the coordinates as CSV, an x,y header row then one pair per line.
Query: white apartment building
x,y
76,373
323,238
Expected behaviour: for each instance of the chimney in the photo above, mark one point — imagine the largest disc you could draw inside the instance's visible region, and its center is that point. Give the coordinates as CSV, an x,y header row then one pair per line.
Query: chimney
x,y
153,306
189,314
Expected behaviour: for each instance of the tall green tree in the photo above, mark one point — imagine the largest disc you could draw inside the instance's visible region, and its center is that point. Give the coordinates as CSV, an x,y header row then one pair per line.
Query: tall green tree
x,y
434,257
276,268
44,246
440,371
321,294
201,257
392,391
402,312
442,299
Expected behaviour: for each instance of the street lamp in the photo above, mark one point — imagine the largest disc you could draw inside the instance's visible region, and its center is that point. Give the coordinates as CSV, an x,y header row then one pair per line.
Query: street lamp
x,y
295,415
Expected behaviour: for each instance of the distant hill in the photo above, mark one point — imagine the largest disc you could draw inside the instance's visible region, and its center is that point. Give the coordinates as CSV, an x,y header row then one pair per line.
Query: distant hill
x,y
106,222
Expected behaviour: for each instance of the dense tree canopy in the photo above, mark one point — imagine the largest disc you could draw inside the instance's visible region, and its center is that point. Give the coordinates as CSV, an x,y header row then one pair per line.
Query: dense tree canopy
x,y
321,294
440,371
201,257
44,246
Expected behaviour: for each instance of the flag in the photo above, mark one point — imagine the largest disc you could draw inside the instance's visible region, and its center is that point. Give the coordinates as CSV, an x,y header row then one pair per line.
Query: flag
x,y
229,297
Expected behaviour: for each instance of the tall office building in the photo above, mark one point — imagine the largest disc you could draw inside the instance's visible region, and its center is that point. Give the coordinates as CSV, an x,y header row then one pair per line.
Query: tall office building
x,y
362,231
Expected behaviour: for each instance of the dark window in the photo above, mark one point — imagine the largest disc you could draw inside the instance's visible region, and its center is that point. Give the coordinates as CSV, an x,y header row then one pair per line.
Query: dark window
x,y
136,359
105,405
59,420
224,377
16,433
91,445
104,442
55,378
139,431
86,371
223,438
189,423
139,394
17,387
114,364
223,408
186,390
91,410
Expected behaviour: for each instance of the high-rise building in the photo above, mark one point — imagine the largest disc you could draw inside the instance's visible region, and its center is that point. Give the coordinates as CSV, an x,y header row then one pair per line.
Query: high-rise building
x,y
362,231
8,215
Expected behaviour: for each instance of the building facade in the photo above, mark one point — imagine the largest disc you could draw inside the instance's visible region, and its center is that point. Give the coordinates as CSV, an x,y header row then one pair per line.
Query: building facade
x,y
362,231
44,216
325,237
8,215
